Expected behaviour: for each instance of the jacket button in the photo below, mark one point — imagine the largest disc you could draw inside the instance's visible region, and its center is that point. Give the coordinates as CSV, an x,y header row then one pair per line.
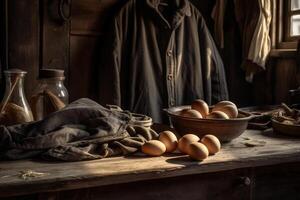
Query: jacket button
x,y
170,77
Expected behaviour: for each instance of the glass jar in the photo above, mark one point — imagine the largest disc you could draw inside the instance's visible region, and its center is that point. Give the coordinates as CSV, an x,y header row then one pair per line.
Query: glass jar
x,y
50,95
14,106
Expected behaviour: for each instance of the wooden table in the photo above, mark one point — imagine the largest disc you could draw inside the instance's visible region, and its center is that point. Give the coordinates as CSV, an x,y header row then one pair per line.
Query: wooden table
x,y
269,171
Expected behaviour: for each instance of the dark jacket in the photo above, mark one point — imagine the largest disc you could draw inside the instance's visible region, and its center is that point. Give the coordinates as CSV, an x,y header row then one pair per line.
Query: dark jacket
x,y
160,58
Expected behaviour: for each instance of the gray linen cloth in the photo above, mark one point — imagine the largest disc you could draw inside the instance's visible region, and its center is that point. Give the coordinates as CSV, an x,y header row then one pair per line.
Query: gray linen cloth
x,y
84,130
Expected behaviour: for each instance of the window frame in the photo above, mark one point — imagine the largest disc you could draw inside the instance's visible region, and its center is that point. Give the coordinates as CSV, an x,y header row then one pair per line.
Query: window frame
x,y
280,26
288,15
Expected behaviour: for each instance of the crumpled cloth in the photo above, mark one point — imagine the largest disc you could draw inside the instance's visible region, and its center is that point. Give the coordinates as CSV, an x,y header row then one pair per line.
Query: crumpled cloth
x,y
84,130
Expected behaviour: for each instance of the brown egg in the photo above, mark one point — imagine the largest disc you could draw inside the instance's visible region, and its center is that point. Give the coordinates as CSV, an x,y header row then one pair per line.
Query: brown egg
x,y
185,141
198,151
217,115
191,113
154,148
230,110
201,106
169,139
224,103
212,143
183,111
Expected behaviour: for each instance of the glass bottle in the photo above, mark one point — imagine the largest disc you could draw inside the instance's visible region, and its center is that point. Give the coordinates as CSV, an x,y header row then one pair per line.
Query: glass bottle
x,y
14,106
50,95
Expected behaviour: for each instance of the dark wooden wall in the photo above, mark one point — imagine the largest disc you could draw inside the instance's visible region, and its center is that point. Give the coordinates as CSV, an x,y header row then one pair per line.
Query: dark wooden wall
x,y
2,44
89,23
39,38
23,38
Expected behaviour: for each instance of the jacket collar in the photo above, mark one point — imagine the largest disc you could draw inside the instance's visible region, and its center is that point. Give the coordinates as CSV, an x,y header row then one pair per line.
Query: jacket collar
x,y
182,9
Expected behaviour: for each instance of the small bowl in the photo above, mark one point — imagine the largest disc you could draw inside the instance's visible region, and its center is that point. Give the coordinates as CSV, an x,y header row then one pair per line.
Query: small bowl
x,y
287,129
136,119
140,120
225,129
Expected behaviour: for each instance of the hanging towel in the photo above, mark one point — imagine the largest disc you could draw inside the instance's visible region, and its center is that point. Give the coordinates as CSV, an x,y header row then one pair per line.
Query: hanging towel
x,y
261,44
254,18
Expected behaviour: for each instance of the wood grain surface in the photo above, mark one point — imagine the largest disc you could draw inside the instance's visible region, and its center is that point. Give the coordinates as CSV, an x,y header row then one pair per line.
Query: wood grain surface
x,y
277,183
23,39
55,38
275,149
211,186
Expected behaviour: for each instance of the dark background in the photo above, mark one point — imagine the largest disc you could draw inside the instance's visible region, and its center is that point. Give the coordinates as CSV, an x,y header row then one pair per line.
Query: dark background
x,y
39,38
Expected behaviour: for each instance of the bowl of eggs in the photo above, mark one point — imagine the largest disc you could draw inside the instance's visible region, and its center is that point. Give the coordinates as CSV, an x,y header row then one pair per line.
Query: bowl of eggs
x,y
223,119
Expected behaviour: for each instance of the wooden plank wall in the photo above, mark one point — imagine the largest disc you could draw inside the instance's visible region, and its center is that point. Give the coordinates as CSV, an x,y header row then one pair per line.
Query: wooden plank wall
x,y
3,55
286,77
54,45
2,34
23,49
88,25
38,38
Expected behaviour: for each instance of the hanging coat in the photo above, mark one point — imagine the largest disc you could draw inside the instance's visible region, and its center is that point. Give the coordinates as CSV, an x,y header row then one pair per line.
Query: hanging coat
x,y
155,59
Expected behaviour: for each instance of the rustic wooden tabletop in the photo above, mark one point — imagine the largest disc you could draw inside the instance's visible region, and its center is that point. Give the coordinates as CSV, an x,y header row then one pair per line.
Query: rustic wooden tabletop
x,y
252,149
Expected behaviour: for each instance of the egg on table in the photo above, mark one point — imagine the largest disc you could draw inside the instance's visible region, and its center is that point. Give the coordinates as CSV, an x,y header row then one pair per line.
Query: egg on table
x,y
185,141
212,143
154,148
198,151
201,106
169,139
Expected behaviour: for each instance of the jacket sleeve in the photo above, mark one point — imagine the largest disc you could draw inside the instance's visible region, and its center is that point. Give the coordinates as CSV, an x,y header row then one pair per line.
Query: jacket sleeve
x,y
108,73
214,77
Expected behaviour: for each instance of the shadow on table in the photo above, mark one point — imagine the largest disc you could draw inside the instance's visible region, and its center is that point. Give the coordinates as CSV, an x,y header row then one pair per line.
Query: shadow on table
x,y
184,160
271,133
144,156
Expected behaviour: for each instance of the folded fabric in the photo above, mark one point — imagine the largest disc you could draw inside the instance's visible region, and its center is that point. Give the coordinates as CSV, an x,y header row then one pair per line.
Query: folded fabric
x,y
83,130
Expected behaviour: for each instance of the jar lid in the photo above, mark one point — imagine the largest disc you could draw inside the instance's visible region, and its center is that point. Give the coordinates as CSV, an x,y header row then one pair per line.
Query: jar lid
x,y
51,73
15,71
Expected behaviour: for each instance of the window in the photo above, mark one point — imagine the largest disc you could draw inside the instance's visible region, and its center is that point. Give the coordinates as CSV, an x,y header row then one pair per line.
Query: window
x,y
293,19
285,25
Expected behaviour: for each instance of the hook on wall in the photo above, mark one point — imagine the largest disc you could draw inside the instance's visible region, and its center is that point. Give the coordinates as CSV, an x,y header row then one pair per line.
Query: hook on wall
x,y
64,10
